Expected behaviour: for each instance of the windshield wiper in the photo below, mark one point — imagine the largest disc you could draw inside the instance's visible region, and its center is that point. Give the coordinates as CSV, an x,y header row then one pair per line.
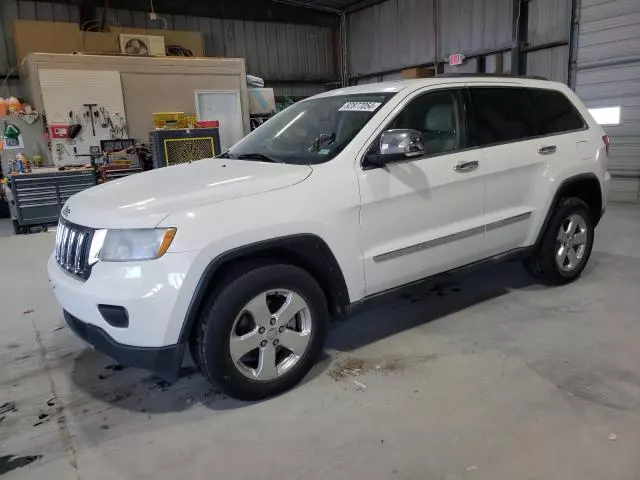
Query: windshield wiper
x,y
258,156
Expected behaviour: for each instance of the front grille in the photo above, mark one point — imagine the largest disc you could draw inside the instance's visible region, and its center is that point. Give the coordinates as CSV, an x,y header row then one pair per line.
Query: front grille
x,y
72,249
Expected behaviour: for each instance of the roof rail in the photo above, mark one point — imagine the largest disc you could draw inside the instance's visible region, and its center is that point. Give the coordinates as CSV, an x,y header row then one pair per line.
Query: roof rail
x,y
492,75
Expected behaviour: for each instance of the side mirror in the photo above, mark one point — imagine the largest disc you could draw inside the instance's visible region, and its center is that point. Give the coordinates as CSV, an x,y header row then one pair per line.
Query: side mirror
x,y
395,145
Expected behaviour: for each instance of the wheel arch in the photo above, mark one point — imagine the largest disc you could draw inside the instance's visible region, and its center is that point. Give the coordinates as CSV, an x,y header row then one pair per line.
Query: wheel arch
x,y
307,251
584,186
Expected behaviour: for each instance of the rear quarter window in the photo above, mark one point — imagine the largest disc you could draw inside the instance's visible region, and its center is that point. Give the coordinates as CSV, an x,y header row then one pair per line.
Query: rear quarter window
x,y
554,112
502,114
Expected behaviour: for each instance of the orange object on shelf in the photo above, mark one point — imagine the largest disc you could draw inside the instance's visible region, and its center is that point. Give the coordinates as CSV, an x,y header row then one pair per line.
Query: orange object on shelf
x,y
3,107
13,105
207,124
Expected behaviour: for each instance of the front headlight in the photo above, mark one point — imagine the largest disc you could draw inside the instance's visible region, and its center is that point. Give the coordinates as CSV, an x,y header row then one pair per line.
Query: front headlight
x,y
131,245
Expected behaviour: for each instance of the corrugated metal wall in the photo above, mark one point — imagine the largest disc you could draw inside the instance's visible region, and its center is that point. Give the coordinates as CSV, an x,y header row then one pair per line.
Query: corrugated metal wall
x,y
400,33
384,37
473,25
11,10
551,63
608,74
275,51
271,50
549,22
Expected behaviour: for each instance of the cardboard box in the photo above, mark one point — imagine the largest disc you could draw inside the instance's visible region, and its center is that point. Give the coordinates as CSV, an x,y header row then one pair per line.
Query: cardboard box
x,y
261,101
419,72
50,37
98,42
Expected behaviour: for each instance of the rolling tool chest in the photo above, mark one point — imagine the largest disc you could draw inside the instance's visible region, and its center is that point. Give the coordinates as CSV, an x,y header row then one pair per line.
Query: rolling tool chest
x,y
35,199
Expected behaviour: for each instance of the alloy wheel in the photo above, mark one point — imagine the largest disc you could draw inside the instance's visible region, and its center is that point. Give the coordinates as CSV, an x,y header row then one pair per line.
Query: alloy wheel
x,y
270,334
571,242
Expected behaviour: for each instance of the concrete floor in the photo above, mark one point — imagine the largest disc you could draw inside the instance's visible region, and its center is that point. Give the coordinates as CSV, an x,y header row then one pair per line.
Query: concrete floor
x,y
486,377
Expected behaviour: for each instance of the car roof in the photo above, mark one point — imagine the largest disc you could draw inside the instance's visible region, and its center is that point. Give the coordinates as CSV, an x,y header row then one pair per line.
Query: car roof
x,y
399,85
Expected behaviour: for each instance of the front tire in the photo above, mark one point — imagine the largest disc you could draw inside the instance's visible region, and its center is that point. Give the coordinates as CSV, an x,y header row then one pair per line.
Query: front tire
x,y
566,244
262,332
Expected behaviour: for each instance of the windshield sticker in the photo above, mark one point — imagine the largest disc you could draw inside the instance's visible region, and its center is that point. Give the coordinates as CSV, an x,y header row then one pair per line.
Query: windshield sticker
x,y
360,107
324,151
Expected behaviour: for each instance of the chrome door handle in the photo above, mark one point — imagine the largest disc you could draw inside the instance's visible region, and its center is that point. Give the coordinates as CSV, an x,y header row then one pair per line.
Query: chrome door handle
x,y
466,166
547,149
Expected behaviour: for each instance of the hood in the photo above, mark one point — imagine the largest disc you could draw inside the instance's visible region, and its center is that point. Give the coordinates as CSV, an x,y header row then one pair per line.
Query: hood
x,y
144,199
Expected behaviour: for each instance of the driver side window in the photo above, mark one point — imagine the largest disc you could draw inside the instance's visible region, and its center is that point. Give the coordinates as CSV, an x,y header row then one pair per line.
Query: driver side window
x,y
437,115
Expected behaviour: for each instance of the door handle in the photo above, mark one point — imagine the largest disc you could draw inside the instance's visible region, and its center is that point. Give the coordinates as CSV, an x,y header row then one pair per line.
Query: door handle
x,y
547,149
466,166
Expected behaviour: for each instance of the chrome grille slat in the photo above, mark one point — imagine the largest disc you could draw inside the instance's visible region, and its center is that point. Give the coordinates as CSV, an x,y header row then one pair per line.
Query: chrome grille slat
x,y
63,247
57,247
59,241
78,254
65,232
72,247
68,259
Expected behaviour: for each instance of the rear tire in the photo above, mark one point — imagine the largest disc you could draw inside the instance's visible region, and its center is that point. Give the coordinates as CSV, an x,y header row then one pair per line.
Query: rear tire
x,y
566,244
262,331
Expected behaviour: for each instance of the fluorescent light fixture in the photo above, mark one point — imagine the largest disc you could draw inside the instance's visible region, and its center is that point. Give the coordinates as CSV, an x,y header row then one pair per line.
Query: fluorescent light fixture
x,y
606,115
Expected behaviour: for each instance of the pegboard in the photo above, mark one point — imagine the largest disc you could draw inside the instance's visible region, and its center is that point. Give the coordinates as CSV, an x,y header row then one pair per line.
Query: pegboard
x,y
65,91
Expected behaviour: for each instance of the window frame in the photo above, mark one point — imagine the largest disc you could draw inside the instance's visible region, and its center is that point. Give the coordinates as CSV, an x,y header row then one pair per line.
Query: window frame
x,y
462,100
527,89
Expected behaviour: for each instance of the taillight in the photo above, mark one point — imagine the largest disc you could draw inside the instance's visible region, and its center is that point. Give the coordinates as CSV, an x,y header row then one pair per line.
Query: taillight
x,y
606,141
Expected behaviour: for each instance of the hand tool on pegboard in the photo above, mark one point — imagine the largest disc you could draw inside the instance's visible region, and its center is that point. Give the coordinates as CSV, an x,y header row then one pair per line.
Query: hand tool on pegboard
x,y
91,106
104,118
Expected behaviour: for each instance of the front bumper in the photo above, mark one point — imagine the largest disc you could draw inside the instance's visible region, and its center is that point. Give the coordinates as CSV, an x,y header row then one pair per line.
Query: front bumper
x,y
155,294
164,361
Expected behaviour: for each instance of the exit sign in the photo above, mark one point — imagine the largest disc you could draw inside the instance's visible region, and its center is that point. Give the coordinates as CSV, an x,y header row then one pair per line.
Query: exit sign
x,y
456,59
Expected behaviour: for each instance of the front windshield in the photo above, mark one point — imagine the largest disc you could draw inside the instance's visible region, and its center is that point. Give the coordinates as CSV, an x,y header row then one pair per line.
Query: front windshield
x,y
310,132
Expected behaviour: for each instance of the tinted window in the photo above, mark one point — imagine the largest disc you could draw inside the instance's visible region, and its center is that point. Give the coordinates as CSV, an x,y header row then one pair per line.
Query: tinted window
x,y
501,115
437,116
554,112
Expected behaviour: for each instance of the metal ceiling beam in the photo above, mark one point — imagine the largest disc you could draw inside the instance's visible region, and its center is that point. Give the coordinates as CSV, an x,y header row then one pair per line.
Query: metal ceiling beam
x,y
257,10
105,13
519,36
361,5
88,12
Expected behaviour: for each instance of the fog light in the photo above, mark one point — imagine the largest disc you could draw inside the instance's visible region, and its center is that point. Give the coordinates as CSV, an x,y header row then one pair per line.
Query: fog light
x,y
114,315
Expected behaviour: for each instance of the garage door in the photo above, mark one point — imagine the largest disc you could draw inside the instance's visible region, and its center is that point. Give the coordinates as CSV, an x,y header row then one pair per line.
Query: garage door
x,y
608,80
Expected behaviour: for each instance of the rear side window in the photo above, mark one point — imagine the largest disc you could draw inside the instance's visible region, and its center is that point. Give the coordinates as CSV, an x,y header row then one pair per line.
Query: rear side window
x,y
501,115
554,112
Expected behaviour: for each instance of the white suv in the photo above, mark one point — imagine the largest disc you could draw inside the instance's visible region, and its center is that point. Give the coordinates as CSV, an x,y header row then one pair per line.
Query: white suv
x,y
339,198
